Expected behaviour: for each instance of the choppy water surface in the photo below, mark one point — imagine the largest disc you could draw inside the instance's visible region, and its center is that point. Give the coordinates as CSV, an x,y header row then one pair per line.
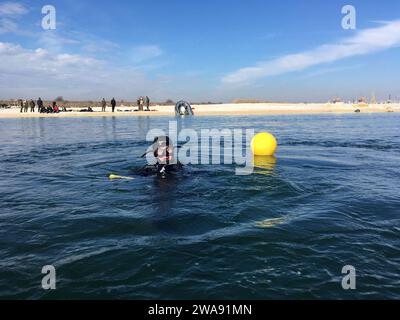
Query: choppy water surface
x,y
331,200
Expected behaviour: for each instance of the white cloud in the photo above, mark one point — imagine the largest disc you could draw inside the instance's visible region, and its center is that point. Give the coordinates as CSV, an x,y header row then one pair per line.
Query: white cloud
x,y
89,42
58,42
363,42
7,25
144,53
39,62
99,45
332,70
31,73
53,42
12,9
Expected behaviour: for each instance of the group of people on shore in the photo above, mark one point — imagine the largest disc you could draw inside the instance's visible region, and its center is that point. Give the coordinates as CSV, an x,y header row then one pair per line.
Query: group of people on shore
x,y
31,105
26,105
141,103
104,105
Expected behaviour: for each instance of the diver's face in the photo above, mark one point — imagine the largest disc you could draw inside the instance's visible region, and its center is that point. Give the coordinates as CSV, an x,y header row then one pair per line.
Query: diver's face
x,y
165,154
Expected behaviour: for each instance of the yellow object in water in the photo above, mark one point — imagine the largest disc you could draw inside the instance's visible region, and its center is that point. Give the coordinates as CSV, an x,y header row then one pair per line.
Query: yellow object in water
x,y
115,177
270,223
264,144
264,164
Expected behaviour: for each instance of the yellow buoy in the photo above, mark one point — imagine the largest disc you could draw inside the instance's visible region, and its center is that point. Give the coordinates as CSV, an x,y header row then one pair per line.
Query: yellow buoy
x,y
264,144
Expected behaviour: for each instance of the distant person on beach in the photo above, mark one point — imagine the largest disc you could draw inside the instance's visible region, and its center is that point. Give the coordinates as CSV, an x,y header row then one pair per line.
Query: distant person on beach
x,y
33,105
39,103
56,108
21,104
113,104
147,101
103,105
89,109
141,104
26,106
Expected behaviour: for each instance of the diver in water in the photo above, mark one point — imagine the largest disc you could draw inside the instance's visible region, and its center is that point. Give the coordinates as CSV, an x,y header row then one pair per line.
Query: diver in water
x,y
166,164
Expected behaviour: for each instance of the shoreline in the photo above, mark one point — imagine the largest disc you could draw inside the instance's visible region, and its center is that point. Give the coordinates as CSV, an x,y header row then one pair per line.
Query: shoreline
x,y
215,110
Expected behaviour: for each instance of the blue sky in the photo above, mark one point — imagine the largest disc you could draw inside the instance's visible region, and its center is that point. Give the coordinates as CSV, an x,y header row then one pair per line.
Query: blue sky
x,y
286,50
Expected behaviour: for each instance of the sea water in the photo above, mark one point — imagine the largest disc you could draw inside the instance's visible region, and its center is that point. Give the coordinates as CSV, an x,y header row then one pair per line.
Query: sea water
x,y
332,199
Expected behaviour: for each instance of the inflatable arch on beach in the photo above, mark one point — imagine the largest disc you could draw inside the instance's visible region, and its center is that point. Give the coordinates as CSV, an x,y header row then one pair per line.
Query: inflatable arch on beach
x,y
183,108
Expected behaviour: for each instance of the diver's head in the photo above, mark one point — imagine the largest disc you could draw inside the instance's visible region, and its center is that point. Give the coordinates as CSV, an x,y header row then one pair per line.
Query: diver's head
x,y
163,150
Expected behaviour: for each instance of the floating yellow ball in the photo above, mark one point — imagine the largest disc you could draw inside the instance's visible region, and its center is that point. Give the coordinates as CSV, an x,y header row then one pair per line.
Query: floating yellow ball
x,y
264,144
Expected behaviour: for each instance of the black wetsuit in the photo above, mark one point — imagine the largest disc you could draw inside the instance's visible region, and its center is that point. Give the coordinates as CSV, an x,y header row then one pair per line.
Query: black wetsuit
x,y
160,170
40,105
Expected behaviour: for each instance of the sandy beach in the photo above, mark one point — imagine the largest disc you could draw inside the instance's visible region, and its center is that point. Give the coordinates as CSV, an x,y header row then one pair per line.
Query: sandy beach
x,y
229,109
